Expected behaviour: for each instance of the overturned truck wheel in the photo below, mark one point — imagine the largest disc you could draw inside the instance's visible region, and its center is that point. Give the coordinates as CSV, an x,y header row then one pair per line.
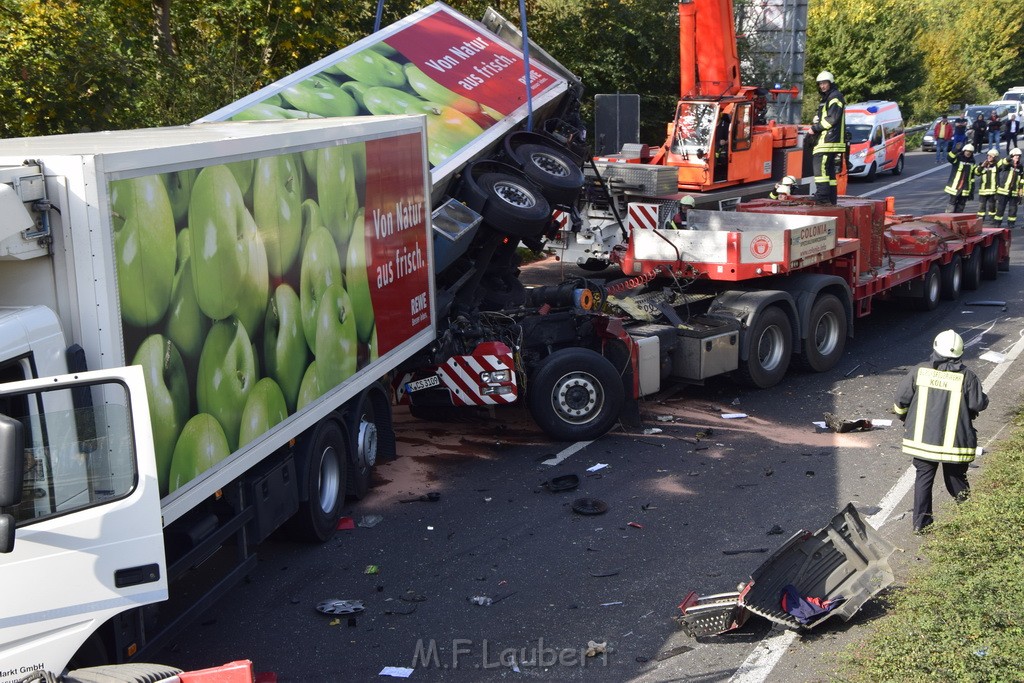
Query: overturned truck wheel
x,y
575,394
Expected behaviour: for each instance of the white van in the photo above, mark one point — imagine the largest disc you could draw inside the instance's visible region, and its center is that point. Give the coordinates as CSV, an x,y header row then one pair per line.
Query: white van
x,y
874,130
1014,93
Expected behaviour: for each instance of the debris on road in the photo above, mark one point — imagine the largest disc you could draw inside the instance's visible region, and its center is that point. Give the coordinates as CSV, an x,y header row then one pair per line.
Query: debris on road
x,y
396,671
431,497
599,466
744,551
635,525
733,416
652,430
589,506
594,648
336,606
841,426
986,303
611,604
346,524
565,482
993,357
665,418
372,569
370,521
672,652
482,600
601,573
775,530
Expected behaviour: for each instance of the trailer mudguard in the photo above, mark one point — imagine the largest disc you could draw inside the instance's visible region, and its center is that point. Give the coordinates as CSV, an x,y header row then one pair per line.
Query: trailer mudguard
x,y
745,306
805,289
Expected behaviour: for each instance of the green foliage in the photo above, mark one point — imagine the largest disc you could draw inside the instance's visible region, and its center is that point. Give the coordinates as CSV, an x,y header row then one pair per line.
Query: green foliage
x,y
960,619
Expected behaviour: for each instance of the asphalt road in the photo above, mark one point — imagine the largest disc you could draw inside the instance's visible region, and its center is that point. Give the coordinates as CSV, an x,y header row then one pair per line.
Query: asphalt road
x,y
681,502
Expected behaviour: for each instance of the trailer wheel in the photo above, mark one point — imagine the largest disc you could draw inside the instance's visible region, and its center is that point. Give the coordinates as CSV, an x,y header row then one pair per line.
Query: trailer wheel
x,y
826,335
325,458
123,673
552,169
990,262
898,168
951,276
575,394
972,271
512,206
373,440
593,265
771,345
929,298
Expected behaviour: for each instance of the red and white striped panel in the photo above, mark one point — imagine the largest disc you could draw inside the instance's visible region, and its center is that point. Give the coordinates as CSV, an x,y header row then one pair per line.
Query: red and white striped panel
x,y
461,374
642,215
561,219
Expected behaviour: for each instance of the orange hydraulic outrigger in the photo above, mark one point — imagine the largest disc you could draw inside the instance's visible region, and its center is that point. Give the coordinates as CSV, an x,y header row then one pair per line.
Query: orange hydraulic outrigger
x,y
719,135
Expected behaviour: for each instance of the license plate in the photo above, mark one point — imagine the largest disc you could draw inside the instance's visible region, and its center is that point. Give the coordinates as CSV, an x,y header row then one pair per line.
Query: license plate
x,y
424,383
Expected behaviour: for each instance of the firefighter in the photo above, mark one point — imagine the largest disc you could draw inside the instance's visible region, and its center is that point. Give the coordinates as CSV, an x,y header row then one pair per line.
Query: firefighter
x,y
830,147
1008,185
678,221
960,187
986,173
938,401
783,189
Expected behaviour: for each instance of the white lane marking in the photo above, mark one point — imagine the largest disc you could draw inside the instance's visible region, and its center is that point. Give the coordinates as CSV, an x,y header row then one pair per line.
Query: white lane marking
x,y
578,446
886,188
759,663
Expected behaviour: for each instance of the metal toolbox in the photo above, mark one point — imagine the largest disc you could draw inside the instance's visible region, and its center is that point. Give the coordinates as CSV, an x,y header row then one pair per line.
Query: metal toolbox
x,y
648,179
706,347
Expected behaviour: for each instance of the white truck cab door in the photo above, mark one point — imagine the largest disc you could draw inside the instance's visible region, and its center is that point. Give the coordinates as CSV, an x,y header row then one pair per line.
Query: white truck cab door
x,y
87,532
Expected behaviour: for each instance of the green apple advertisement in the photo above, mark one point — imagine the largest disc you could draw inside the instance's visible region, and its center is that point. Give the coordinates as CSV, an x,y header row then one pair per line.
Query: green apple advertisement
x,y
437,64
248,290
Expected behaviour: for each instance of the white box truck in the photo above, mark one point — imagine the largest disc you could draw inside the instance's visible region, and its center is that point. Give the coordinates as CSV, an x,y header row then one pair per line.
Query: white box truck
x,y
265,276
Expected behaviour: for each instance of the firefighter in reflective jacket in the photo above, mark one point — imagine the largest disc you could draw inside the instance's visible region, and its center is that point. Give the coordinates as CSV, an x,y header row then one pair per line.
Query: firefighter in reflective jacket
x,y
960,187
938,402
828,152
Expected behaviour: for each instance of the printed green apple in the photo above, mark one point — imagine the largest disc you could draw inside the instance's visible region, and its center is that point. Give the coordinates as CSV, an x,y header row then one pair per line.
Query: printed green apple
x,y
277,198
356,90
179,188
309,390
186,324
143,223
227,374
386,50
357,281
202,445
320,95
371,68
431,90
337,355
264,408
321,268
243,172
381,101
252,301
220,229
336,192
284,343
309,162
357,152
267,112
448,130
168,397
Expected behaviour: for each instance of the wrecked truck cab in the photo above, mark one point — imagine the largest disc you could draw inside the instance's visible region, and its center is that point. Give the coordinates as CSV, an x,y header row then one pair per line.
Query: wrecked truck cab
x,y
838,569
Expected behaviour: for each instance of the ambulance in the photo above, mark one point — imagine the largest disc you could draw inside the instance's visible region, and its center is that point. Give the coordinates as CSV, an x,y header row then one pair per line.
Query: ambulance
x,y
874,130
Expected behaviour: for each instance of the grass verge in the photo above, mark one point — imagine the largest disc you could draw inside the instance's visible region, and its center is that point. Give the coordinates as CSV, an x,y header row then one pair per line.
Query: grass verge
x,y
962,617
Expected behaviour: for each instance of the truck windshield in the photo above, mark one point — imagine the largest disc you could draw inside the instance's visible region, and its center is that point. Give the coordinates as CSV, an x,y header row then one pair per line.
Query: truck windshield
x,y
79,449
694,123
858,132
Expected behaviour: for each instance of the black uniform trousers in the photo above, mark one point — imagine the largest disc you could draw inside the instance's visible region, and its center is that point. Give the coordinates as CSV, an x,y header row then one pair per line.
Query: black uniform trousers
x,y
954,474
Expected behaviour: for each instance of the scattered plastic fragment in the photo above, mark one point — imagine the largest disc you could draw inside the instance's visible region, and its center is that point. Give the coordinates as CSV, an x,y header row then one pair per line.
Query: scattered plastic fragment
x,y
597,467
809,473
993,357
335,606
372,569
635,525
610,604
735,402
396,671
346,524
370,521
334,622
775,530
565,482
481,600
881,423
704,433
665,418
986,303
652,430
595,648
668,654
733,416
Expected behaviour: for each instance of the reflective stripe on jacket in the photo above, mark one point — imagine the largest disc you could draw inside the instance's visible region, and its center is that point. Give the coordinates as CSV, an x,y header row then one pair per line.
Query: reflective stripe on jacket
x,y
987,173
961,177
831,124
1007,177
938,402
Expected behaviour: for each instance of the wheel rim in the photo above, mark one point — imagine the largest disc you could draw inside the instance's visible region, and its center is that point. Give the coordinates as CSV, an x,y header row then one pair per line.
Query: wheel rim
x,y
550,164
514,194
329,479
577,397
826,333
769,348
933,288
957,277
367,443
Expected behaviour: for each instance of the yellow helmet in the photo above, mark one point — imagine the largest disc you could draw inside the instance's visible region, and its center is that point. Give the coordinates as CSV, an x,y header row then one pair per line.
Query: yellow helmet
x,y
948,344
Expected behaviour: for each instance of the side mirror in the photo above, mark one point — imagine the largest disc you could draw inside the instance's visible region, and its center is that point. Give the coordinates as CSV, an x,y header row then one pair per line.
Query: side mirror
x,y
12,461
6,533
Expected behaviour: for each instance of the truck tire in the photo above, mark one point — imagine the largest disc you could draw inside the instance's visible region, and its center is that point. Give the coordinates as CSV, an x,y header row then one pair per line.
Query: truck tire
x,y
556,172
513,207
593,265
771,345
898,168
972,271
575,394
952,276
990,262
123,673
826,335
326,467
373,439
930,290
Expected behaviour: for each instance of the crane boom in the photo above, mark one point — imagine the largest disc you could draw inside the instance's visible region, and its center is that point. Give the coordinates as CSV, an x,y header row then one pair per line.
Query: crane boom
x,y
709,63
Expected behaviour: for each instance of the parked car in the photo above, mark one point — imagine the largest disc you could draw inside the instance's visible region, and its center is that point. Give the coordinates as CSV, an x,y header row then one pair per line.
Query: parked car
x,y
1015,93
1015,106
972,111
928,142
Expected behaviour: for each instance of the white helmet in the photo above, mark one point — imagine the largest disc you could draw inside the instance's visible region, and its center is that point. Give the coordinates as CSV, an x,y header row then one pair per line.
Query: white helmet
x,y
968,147
993,152
948,344
687,201
1015,151
825,76
788,180
783,189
